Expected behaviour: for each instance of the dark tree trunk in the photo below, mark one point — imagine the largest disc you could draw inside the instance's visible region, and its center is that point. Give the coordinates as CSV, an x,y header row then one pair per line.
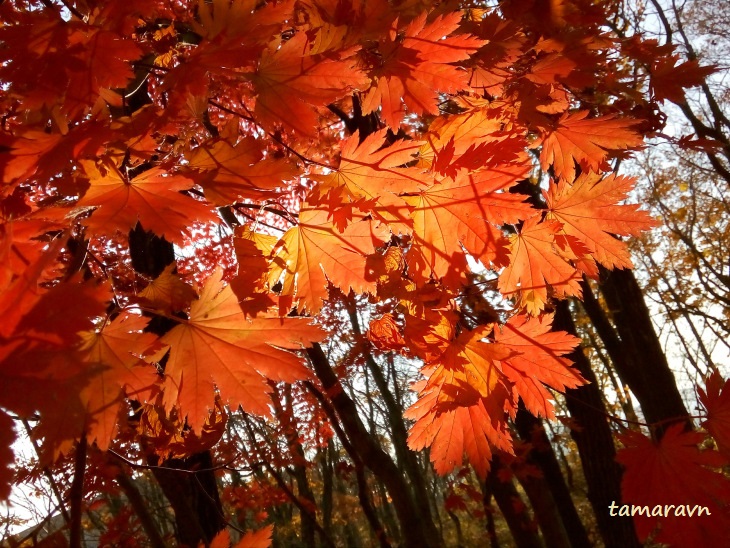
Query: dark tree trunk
x,y
543,456
635,349
299,462
193,497
363,492
399,434
372,455
595,444
512,507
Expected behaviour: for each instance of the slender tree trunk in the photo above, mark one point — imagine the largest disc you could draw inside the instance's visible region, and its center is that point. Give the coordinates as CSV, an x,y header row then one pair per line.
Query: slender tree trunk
x,y
636,350
140,508
489,511
399,435
327,458
363,492
371,454
299,461
512,507
558,498
595,444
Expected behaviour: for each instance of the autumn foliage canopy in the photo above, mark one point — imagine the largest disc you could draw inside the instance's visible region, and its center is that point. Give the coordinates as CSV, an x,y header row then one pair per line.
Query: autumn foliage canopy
x,y
301,155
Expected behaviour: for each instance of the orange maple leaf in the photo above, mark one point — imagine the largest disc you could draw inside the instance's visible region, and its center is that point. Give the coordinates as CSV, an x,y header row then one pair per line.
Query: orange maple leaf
x,y
464,211
586,141
152,198
673,472
716,400
536,360
414,68
118,348
669,81
372,176
291,83
461,407
315,251
589,211
240,171
260,538
385,334
535,263
40,330
218,347
167,292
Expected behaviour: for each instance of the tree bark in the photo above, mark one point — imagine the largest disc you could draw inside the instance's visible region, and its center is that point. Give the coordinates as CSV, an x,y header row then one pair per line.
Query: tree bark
x,y
595,444
299,461
639,358
399,434
371,454
512,507
543,456
193,497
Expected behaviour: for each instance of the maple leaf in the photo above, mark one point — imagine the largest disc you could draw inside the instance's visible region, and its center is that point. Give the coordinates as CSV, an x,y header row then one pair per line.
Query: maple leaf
x,y
252,252
225,19
260,538
169,434
551,69
481,138
167,292
291,83
106,58
40,330
715,398
37,154
240,171
429,334
373,175
218,347
415,68
69,66
461,406
586,141
385,334
671,471
669,81
118,348
152,198
588,211
536,359
315,251
535,264
21,240
464,212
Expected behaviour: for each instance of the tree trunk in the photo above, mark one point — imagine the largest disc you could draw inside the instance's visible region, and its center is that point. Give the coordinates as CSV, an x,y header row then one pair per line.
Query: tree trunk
x,y
299,461
399,434
636,350
193,497
372,456
543,456
595,444
512,507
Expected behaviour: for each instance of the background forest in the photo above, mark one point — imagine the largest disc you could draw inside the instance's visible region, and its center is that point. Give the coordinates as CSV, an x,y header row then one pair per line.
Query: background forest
x,y
359,273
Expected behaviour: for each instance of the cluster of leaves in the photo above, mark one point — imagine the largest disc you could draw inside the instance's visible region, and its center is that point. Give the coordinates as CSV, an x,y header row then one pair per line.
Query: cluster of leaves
x,y
418,140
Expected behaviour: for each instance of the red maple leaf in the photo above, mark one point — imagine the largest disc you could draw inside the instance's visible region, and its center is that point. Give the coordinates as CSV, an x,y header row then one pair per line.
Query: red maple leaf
x,y
675,472
716,400
152,199
217,347
585,141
